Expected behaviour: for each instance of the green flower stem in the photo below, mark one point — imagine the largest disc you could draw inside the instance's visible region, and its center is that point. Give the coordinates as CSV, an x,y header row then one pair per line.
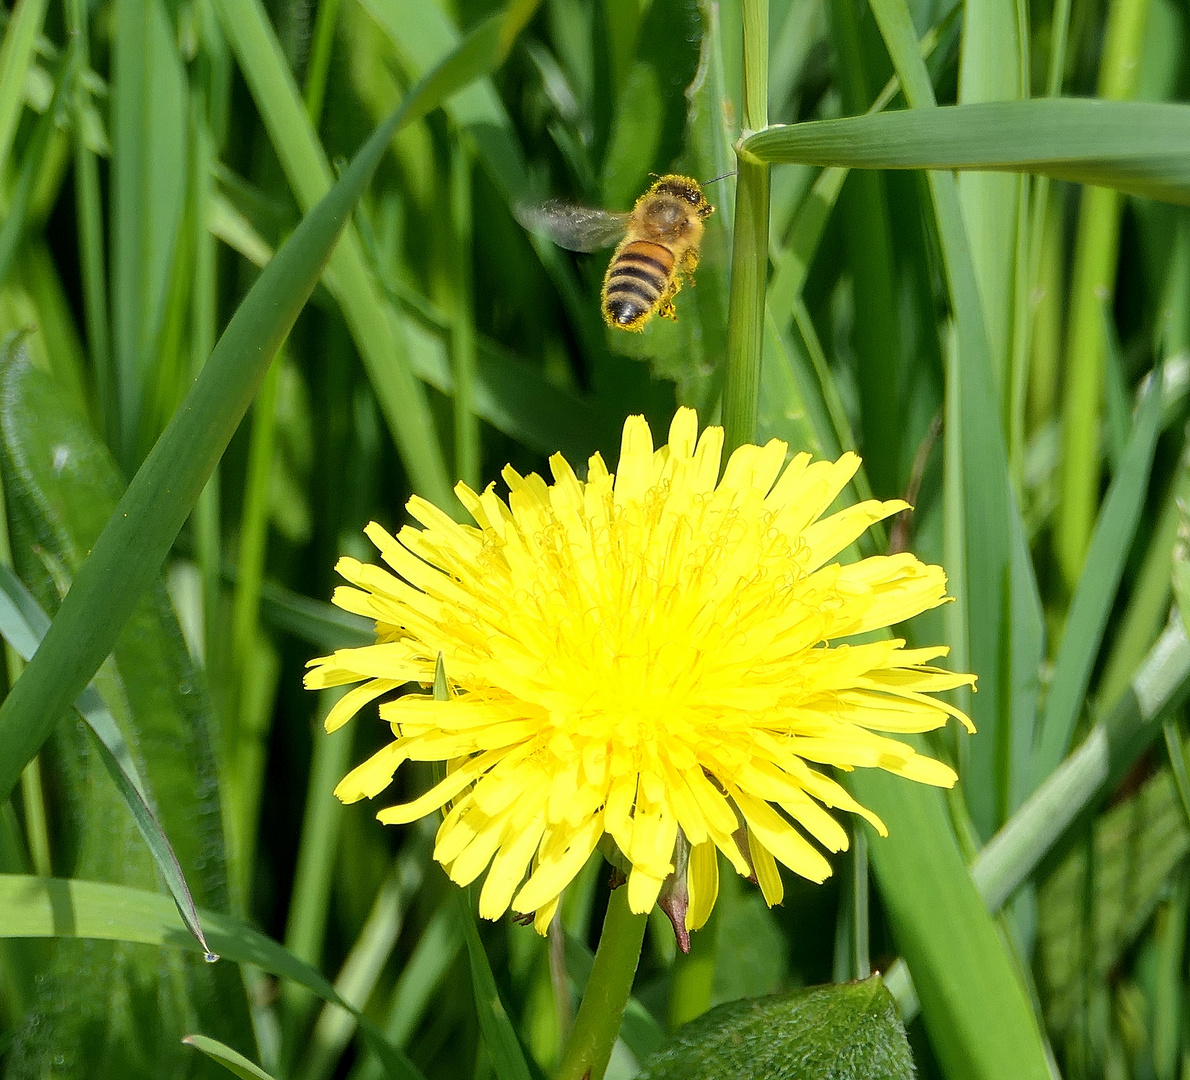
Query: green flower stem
x,y
750,250
606,995
745,316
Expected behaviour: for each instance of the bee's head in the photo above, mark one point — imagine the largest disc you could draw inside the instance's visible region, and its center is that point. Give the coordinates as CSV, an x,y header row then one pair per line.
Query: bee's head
x,y
682,187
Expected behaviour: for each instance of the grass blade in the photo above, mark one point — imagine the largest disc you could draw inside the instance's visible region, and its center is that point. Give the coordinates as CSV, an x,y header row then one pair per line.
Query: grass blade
x,y
1097,586
232,1061
1138,147
16,54
504,1048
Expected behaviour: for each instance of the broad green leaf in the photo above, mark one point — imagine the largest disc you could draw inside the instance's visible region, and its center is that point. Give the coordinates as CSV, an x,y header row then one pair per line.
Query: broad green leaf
x,y
849,1032
130,551
1138,147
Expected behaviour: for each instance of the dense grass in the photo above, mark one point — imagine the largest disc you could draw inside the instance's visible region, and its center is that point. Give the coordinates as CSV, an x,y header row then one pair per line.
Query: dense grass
x,y
1010,348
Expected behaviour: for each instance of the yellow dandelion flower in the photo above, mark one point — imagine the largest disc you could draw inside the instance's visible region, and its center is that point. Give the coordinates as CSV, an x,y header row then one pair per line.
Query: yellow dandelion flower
x,y
648,656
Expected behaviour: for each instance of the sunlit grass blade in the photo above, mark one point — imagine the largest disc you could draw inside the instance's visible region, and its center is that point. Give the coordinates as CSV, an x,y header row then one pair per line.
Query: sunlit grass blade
x,y
1139,147
16,54
979,526
792,405
1092,284
309,908
13,225
232,1061
1148,601
1097,586
994,66
792,264
1177,762
131,549
749,245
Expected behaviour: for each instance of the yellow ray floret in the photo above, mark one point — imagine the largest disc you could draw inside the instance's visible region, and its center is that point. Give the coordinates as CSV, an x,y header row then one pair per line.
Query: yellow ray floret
x,y
652,657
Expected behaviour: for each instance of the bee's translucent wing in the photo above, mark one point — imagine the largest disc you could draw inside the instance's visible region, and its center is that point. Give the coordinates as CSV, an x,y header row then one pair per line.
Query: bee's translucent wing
x,y
577,228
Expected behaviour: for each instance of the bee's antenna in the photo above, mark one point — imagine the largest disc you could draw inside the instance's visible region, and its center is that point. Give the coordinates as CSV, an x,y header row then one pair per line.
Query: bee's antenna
x,y
708,183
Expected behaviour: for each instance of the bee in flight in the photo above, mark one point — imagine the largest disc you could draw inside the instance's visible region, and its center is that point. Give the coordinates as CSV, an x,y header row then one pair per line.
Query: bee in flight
x,y
657,250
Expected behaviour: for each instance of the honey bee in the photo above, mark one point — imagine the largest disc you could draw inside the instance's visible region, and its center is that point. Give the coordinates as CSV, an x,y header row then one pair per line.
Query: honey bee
x,y
657,250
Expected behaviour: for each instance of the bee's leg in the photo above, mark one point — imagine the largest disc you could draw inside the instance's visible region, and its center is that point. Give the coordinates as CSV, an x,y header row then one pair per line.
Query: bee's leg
x,y
666,307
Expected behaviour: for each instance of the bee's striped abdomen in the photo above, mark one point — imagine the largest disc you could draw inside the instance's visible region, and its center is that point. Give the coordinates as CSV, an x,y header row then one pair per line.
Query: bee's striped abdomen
x,y
638,281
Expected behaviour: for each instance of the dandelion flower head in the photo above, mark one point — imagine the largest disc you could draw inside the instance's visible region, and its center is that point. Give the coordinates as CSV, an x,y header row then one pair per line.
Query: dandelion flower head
x,y
648,657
